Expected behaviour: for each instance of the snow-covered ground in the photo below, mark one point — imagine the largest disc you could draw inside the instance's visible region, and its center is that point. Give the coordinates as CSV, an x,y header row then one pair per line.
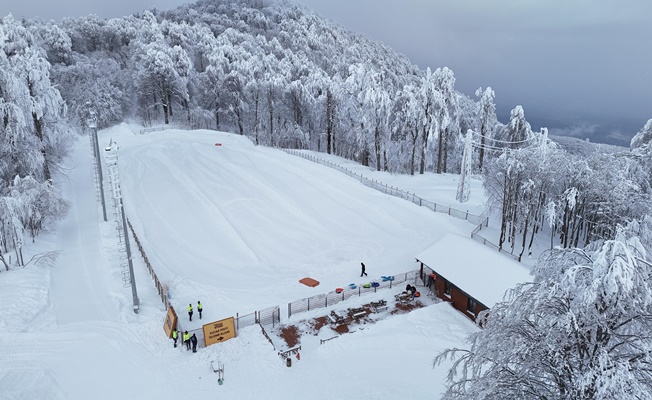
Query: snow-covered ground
x,y
235,226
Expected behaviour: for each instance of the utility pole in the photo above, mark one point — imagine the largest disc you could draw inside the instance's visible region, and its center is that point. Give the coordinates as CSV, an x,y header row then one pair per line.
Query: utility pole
x,y
111,157
92,125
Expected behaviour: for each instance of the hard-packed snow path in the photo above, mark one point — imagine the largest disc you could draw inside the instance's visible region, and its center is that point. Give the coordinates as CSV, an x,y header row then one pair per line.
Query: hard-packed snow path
x,y
79,290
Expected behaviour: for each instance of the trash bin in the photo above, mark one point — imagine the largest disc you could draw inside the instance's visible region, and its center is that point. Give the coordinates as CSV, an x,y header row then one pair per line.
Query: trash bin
x,y
288,361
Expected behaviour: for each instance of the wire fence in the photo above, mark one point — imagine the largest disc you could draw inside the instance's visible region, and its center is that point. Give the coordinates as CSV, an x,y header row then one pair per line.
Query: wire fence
x,y
199,332
269,316
154,129
242,321
393,191
482,220
476,236
161,288
328,299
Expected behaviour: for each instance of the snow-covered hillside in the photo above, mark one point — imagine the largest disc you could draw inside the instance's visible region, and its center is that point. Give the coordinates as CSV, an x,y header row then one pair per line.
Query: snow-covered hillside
x,y
235,226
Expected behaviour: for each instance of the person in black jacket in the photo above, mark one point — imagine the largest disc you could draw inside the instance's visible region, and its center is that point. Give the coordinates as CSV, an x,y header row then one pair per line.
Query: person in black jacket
x,y
193,340
363,270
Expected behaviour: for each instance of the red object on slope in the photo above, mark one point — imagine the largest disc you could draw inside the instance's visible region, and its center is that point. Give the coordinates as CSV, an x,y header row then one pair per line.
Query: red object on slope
x,y
309,282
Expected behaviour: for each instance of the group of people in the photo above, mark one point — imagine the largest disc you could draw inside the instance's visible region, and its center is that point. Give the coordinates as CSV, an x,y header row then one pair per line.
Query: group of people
x,y
411,291
187,340
200,308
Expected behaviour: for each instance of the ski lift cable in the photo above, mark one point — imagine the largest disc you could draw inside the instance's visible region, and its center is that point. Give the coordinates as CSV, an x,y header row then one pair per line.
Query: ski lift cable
x,y
494,147
498,148
508,141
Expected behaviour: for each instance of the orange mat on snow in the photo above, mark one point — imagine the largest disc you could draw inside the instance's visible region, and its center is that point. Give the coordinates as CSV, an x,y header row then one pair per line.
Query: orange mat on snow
x,y
309,282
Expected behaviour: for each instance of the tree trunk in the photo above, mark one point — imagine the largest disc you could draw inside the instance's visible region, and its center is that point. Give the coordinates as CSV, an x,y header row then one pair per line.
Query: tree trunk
x,y
446,140
524,241
424,144
483,132
270,107
503,222
412,156
440,152
256,103
329,119
4,262
238,115
377,146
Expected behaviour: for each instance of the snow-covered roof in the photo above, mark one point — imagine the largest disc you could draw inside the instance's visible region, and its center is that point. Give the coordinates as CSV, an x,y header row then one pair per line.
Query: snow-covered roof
x,y
478,270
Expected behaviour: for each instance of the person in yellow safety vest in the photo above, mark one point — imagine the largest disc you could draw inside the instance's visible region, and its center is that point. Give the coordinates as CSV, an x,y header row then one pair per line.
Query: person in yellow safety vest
x,y
190,311
199,308
186,339
175,336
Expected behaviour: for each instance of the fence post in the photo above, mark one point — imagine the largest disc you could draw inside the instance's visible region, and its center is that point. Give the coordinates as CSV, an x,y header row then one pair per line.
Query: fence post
x,y
289,310
308,303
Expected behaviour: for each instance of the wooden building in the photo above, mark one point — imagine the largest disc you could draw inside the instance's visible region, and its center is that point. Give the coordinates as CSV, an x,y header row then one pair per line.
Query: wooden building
x,y
471,276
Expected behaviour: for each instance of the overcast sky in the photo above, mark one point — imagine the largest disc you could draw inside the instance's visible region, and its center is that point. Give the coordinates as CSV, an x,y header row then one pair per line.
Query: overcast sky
x,y
583,66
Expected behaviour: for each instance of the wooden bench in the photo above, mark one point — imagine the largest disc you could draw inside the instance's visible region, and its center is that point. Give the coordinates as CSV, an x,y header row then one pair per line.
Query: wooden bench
x,y
403,297
379,306
335,318
378,309
356,313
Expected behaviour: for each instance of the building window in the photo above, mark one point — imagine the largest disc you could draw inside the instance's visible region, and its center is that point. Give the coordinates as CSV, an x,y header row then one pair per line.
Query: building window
x,y
470,307
447,288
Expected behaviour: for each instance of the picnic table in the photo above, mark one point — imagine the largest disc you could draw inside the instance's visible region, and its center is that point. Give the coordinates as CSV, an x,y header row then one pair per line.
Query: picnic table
x,y
355,313
403,297
379,306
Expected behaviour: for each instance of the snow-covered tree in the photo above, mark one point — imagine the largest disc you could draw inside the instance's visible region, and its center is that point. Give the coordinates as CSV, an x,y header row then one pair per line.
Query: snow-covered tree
x,y
580,330
446,112
643,137
430,101
34,133
464,186
487,120
518,131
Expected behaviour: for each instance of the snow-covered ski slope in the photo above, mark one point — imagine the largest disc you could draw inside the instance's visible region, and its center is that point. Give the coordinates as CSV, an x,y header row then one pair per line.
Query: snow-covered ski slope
x,y
235,226
238,225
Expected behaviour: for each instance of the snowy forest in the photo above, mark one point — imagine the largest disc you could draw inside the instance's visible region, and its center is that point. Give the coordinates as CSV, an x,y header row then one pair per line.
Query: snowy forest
x,y
285,77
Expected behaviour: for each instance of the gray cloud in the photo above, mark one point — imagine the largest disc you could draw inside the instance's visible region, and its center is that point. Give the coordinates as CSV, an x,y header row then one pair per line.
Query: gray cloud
x,y
580,131
49,9
569,63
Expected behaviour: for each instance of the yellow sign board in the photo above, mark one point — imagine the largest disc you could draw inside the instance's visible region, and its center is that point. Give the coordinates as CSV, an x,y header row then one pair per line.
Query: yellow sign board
x,y
170,321
219,331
